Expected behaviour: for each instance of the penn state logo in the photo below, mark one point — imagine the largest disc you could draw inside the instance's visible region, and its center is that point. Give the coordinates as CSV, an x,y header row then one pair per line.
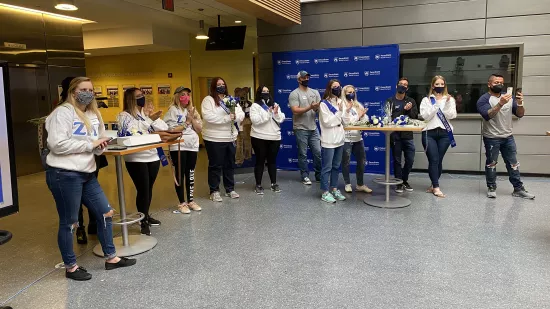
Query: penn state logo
x,y
289,160
355,58
366,73
278,62
335,59
289,133
345,74
325,75
316,61
376,88
366,134
376,148
297,62
377,57
280,91
281,146
288,77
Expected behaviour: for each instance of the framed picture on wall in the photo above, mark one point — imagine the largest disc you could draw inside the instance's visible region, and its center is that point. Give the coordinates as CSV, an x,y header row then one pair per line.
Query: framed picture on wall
x,y
164,95
112,95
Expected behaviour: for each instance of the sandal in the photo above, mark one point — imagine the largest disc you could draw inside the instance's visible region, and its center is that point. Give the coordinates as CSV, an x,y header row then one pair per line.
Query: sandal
x,y
430,190
438,193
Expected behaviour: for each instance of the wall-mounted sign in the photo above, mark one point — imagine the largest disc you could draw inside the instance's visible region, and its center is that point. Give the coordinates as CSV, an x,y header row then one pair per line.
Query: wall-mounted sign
x,y
15,45
168,5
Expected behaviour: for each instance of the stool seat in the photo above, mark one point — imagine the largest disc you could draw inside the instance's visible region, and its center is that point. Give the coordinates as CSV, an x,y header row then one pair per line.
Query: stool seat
x,y
5,236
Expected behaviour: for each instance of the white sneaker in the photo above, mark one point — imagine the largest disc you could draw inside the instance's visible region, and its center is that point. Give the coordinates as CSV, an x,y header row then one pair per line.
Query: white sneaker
x,y
215,196
232,194
348,189
306,181
363,188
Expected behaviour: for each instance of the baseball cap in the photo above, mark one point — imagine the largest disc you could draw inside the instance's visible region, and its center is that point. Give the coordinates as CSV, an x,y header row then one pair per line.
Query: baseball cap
x,y
302,74
182,88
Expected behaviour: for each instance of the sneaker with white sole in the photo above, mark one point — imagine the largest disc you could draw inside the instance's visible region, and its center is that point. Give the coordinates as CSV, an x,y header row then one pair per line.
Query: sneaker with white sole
x,y
194,206
306,181
399,189
259,190
521,192
348,189
492,192
327,197
275,188
215,196
232,195
184,208
338,195
407,187
363,188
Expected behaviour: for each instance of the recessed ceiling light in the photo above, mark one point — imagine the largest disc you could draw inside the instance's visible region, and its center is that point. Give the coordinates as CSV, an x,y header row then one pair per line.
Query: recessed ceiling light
x,y
66,5
238,21
88,54
65,17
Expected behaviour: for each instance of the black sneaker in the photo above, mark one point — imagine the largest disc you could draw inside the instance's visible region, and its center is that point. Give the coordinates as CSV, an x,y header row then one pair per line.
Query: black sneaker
x,y
145,230
399,188
259,190
153,222
521,192
275,188
124,262
492,192
407,187
81,237
92,228
80,274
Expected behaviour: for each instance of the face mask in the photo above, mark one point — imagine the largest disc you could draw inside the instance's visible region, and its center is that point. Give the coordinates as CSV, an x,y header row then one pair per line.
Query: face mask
x,y
184,100
140,102
439,89
220,89
265,96
336,91
84,97
305,83
497,88
350,96
401,89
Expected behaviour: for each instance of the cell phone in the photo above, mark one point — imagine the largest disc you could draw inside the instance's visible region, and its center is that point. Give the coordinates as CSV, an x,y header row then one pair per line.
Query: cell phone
x,y
116,148
509,90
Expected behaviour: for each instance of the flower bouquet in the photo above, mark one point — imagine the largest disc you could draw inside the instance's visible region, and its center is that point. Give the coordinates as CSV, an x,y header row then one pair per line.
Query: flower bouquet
x,y
231,103
405,120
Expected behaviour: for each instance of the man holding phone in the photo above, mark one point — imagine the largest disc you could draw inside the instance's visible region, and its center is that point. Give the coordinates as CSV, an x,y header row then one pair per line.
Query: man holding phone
x,y
497,108
304,103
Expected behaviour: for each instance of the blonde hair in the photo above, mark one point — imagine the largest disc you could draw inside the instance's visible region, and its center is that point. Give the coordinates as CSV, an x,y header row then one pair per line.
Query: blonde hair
x,y
129,103
445,92
176,103
356,103
90,107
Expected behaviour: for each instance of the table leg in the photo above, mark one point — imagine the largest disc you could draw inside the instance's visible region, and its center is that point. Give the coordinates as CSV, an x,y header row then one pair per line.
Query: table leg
x,y
387,200
139,243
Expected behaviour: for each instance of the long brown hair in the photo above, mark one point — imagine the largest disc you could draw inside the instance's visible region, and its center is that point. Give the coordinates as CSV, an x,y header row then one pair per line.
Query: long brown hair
x,y
433,83
213,93
328,91
176,103
90,107
129,104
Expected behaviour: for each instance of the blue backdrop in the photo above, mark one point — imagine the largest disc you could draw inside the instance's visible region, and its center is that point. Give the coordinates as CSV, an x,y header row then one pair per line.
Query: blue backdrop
x,y
373,70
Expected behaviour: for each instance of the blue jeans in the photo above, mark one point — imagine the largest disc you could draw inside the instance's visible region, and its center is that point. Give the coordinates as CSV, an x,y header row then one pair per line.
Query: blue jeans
x,y
312,139
332,158
406,147
358,151
435,142
507,147
69,190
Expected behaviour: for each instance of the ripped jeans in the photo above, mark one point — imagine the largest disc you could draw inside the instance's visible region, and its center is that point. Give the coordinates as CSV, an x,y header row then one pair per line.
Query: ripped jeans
x,y
69,190
507,147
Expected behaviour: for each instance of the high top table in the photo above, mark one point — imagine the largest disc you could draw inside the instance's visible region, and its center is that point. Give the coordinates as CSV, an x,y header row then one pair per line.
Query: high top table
x,y
128,245
387,200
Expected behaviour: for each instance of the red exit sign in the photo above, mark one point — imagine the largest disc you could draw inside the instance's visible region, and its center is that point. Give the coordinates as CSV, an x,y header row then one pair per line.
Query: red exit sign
x,y
168,5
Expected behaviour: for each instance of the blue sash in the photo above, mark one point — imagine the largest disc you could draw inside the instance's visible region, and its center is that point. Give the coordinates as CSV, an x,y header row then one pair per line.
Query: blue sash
x,y
445,123
266,108
330,107
160,151
226,109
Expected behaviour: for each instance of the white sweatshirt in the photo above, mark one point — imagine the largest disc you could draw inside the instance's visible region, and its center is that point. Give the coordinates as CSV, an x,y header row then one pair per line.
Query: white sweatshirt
x,y
265,124
176,117
141,123
351,116
217,123
332,128
70,143
429,112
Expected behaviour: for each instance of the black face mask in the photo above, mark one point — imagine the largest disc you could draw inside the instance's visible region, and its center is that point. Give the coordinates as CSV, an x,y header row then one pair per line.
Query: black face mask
x,y
350,96
265,97
439,89
220,89
140,102
401,89
337,91
497,88
305,83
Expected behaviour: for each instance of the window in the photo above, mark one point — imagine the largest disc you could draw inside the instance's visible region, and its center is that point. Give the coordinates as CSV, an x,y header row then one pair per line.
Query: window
x,y
466,73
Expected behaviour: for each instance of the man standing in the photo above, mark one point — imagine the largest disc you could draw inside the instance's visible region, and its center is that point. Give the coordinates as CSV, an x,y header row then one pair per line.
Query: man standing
x,y
402,142
497,109
304,103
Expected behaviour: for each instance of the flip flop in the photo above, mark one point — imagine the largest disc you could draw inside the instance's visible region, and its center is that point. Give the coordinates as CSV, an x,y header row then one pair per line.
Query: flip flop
x,y
439,194
430,190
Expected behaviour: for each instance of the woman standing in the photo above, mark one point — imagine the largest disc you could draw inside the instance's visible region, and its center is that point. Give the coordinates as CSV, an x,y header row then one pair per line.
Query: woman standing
x,y
143,166
353,112
437,109
75,135
182,116
332,141
266,118
220,133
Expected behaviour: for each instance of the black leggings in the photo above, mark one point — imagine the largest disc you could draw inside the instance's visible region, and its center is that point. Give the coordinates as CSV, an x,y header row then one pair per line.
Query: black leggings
x,y
221,160
143,175
265,150
187,170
